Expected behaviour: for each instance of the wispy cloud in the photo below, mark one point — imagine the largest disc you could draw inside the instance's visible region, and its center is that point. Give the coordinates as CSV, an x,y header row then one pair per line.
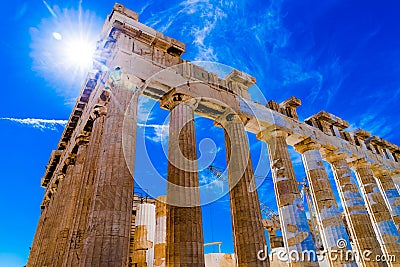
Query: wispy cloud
x,y
375,123
41,124
159,134
50,9
201,32
205,16
149,3
145,107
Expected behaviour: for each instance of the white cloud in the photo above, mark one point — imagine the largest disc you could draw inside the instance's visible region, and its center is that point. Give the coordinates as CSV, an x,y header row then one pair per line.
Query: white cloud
x,y
144,109
211,184
160,132
201,32
41,124
204,14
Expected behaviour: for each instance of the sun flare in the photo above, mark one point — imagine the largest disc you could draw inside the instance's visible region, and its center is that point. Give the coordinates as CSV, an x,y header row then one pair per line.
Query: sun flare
x,y
63,46
79,53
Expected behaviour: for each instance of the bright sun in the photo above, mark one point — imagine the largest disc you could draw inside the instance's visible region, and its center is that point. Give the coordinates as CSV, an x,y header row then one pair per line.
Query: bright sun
x,y
76,52
63,47
79,52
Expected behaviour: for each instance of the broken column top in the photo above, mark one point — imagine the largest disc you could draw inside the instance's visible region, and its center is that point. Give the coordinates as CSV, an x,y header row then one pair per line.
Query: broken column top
x,y
240,77
329,118
127,12
362,134
291,102
134,28
376,140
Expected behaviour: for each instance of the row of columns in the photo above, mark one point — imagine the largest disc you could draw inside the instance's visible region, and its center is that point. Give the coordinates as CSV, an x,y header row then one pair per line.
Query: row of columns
x,y
294,223
93,226
370,223
87,221
327,211
371,226
184,227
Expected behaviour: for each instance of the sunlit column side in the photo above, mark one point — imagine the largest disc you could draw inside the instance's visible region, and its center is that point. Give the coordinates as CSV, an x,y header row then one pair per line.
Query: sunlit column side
x,y
295,228
184,220
57,217
106,240
161,232
85,196
70,197
46,220
145,224
328,213
386,230
390,193
36,240
53,221
248,232
358,221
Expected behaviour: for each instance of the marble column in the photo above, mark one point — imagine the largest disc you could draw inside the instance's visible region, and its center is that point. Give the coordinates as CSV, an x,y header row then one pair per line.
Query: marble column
x,y
145,223
161,232
47,220
390,193
85,195
70,196
328,214
106,239
184,221
248,232
294,224
358,221
51,234
379,213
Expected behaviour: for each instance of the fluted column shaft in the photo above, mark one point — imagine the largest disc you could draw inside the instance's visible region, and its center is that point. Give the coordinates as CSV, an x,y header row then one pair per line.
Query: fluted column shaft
x,y
47,232
184,221
106,241
143,254
379,213
70,195
85,196
295,228
51,234
389,191
328,214
248,232
358,221
38,241
37,238
161,232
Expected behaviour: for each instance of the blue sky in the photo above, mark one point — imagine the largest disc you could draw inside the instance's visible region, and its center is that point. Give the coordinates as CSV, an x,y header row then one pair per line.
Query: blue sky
x,y
340,56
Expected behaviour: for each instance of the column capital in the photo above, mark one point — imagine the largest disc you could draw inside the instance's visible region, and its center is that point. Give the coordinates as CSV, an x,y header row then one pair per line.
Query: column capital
x,y
98,111
60,176
334,155
378,170
173,98
230,117
359,163
271,133
83,138
70,160
306,145
104,96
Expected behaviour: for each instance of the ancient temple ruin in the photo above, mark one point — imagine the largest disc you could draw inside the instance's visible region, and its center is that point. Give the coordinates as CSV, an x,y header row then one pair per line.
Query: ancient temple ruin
x,y
91,217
